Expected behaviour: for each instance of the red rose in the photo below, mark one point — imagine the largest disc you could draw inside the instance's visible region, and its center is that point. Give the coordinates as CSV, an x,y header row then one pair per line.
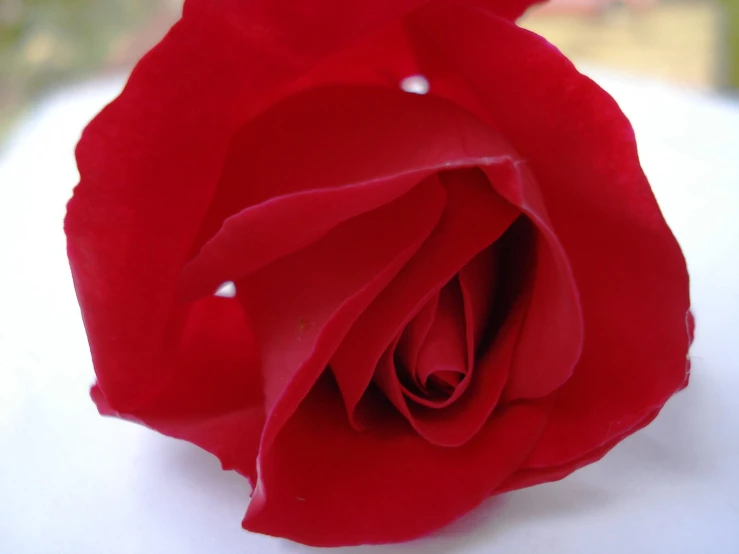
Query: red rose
x,y
438,297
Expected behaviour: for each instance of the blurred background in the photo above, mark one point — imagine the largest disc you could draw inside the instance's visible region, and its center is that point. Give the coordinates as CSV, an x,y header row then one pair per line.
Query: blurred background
x,y
48,43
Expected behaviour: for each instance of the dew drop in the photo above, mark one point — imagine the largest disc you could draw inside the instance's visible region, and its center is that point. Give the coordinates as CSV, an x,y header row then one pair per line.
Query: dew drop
x,y
415,84
226,290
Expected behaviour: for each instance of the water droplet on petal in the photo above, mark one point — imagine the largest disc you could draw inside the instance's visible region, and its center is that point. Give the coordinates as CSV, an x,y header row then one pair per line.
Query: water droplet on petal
x,y
227,290
416,84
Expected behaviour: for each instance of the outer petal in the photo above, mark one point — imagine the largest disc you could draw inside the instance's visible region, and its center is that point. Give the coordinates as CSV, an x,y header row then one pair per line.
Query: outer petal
x,y
629,269
150,161
510,9
289,26
327,485
215,399
526,476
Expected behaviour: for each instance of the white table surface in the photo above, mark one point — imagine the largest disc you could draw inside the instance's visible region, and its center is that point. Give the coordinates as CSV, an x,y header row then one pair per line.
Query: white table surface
x,y
72,482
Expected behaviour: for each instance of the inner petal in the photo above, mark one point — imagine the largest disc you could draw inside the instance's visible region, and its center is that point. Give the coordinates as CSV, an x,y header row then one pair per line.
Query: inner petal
x,y
437,352
443,361
474,219
411,342
479,282
444,380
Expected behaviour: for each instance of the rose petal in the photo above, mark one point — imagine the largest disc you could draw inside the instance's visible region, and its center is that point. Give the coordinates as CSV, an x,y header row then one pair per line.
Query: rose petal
x,y
265,232
478,284
475,217
150,161
324,484
551,337
543,368
445,349
292,35
284,184
526,476
510,9
629,270
214,399
302,305
494,361
413,337
425,121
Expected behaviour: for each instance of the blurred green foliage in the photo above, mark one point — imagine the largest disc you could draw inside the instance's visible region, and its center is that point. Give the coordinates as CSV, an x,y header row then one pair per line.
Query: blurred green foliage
x,y
731,30
44,43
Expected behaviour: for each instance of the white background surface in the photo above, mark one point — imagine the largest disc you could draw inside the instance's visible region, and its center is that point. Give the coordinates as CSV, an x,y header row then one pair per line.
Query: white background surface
x,y
72,482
